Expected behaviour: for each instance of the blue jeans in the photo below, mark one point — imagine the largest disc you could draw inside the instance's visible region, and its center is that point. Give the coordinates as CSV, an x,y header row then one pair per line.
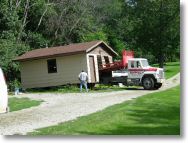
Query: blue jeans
x,y
85,85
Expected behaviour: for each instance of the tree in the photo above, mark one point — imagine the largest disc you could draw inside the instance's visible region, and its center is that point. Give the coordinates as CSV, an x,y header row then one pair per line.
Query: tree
x,y
9,50
70,22
149,27
157,31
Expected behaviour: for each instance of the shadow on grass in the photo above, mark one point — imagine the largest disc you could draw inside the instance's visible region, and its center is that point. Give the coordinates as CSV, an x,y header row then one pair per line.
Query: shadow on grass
x,y
133,88
146,119
167,64
137,130
173,64
147,122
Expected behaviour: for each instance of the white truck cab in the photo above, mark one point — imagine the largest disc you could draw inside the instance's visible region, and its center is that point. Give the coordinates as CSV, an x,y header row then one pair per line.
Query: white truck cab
x,y
132,71
3,94
140,73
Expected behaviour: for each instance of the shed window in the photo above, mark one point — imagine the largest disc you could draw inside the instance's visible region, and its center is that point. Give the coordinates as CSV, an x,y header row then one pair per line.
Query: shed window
x,y
106,59
52,66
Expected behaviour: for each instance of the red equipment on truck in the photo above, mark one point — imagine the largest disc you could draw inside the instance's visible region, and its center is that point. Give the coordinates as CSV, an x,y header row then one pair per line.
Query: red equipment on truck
x,y
126,55
136,72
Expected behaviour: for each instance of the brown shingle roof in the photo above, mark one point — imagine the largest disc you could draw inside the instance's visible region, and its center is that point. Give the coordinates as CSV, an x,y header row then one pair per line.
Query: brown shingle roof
x,y
62,50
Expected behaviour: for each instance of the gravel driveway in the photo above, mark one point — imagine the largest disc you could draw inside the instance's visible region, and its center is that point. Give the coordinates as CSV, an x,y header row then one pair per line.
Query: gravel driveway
x,y
59,108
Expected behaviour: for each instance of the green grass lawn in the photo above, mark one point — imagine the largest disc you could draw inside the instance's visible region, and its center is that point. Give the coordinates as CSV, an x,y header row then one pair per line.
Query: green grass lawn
x,y
152,114
171,69
16,104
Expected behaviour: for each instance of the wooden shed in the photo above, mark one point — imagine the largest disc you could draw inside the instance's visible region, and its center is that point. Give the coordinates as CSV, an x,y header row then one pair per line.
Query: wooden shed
x,y
61,65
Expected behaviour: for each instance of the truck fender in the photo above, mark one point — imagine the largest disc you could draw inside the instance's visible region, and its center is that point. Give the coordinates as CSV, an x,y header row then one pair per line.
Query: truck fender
x,y
148,75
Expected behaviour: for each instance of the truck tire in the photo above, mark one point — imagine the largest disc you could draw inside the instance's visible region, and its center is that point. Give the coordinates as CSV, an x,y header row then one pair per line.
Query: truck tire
x,y
148,83
158,85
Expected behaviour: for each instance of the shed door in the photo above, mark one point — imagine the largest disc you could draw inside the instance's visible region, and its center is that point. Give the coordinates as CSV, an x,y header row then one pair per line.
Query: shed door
x,y
92,69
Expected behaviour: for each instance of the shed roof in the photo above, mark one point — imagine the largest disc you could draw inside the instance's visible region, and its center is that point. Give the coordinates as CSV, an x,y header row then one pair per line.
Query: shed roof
x,y
63,50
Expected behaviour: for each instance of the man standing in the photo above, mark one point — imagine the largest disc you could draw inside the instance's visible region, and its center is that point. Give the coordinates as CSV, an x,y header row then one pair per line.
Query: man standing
x,y
83,77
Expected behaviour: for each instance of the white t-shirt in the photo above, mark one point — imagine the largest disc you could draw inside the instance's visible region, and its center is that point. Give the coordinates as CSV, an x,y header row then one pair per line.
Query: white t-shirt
x,y
83,76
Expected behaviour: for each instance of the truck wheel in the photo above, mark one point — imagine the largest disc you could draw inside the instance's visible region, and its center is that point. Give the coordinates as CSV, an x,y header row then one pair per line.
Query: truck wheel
x,y
158,85
148,83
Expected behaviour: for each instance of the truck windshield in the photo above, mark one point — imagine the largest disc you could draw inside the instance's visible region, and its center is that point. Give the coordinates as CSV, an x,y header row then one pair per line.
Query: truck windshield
x,y
144,63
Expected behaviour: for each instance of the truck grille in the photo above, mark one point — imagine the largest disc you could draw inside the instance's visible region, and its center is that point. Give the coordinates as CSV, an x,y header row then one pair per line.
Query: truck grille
x,y
161,74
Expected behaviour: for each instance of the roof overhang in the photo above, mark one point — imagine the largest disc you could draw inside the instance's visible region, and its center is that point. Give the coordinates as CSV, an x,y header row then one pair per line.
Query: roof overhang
x,y
102,42
49,56
86,50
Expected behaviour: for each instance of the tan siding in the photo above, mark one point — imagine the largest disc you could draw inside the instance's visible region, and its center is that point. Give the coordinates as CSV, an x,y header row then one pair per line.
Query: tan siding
x,y
35,73
110,59
102,52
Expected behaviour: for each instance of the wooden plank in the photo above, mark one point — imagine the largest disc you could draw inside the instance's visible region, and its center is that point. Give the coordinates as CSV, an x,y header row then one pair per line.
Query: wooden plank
x,y
92,69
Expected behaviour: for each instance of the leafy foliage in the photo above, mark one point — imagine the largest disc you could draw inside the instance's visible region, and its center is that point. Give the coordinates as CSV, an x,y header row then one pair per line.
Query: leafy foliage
x,y
9,49
149,27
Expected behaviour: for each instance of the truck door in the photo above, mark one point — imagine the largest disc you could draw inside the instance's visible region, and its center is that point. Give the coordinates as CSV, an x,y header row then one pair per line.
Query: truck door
x,y
134,69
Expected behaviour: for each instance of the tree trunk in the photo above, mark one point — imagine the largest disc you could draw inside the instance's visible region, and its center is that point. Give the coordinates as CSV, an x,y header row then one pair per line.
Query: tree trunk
x,y
161,60
161,55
